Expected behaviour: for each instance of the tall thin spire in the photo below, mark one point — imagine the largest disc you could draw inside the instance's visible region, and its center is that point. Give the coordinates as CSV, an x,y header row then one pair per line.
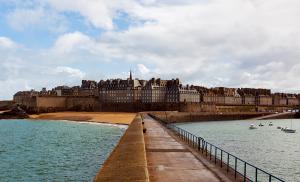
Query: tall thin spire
x,y
130,76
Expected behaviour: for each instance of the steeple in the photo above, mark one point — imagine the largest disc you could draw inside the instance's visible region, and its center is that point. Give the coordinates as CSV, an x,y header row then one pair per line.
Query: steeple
x,y
130,76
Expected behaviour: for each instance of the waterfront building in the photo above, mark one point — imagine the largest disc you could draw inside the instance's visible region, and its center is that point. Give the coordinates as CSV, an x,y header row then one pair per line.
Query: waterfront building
x,y
264,100
280,99
154,91
189,94
292,100
121,91
21,96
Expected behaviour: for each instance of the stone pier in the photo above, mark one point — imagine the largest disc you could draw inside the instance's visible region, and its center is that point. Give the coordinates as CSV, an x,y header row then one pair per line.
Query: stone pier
x,y
156,155
170,160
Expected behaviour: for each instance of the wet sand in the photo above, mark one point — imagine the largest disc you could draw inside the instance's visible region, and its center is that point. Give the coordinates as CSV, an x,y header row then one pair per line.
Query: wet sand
x,y
97,117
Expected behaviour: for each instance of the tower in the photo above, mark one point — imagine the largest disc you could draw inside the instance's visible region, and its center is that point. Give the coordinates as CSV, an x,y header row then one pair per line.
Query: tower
x,y
130,76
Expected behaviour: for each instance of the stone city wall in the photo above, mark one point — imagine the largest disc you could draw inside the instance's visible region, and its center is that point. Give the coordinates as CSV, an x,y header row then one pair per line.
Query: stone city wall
x,y
5,105
54,104
83,104
177,117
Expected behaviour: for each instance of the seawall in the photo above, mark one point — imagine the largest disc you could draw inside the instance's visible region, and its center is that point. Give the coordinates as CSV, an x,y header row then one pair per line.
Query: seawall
x,y
128,160
7,104
176,117
43,104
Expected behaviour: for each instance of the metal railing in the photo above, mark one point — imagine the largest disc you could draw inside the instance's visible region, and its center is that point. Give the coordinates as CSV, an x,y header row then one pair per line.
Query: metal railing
x,y
239,167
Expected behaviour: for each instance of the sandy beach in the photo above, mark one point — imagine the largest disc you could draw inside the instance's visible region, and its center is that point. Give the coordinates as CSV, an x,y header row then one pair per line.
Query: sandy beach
x,y
97,117
4,111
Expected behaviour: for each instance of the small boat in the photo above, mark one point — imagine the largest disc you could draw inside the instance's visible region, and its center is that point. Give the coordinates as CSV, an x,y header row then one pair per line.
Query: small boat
x,y
270,124
260,124
252,126
278,127
288,130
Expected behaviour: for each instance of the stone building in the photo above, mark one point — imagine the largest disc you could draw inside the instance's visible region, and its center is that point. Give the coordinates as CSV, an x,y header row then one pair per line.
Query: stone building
x,y
22,96
189,94
279,99
292,100
154,91
120,91
148,93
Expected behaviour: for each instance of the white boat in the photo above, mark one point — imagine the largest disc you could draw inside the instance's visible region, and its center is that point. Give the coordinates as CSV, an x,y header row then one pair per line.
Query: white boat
x,y
252,126
270,124
260,124
288,130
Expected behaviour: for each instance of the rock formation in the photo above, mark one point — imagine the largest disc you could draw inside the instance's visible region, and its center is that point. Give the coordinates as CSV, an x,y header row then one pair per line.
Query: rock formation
x,y
15,113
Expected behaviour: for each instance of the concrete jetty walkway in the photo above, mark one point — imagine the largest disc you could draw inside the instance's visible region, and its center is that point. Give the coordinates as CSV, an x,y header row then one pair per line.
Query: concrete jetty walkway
x,y
169,160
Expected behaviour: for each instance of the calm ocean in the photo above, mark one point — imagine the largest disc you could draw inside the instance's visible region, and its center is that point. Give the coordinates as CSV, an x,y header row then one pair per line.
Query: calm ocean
x,y
33,151
267,147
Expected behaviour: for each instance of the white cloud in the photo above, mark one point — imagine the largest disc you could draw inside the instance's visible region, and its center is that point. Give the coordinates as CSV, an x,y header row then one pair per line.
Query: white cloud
x,y
69,72
69,42
249,43
38,17
143,69
100,13
7,43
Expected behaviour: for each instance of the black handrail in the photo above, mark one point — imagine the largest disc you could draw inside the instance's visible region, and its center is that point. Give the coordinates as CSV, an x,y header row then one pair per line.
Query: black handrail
x,y
202,145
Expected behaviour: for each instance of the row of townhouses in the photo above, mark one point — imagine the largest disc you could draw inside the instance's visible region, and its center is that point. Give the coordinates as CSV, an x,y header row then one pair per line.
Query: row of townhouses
x,y
164,91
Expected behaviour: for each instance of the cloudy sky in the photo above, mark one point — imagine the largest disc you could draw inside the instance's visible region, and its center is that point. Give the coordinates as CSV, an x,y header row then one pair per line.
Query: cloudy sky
x,y
234,43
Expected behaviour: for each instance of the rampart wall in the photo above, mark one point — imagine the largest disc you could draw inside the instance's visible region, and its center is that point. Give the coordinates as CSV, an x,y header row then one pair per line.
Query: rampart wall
x,y
4,105
54,104
83,104
176,117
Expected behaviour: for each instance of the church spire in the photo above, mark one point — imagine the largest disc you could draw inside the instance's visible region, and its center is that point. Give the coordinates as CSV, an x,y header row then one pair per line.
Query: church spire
x,y
130,76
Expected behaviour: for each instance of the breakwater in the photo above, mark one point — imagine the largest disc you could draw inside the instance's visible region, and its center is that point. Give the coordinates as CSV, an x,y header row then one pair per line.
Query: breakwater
x,y
176,117
171,160
128,161
235,167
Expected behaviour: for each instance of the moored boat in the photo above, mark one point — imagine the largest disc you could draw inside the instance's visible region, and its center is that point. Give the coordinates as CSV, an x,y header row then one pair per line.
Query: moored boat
x,y
289,130
252,126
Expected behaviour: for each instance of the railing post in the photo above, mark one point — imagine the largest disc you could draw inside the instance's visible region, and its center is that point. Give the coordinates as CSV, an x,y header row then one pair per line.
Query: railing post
x,y
245,171
221,158
215,155
227,162
206,148
235,167
270,178
199,143
210,152
256,174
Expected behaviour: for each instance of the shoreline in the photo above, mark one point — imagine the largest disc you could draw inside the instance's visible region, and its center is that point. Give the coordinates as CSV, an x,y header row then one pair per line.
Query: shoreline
x,y
88,117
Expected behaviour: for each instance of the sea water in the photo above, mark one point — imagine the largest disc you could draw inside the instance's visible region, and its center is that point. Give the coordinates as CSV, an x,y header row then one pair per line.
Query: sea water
x,y
36,150
267,147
